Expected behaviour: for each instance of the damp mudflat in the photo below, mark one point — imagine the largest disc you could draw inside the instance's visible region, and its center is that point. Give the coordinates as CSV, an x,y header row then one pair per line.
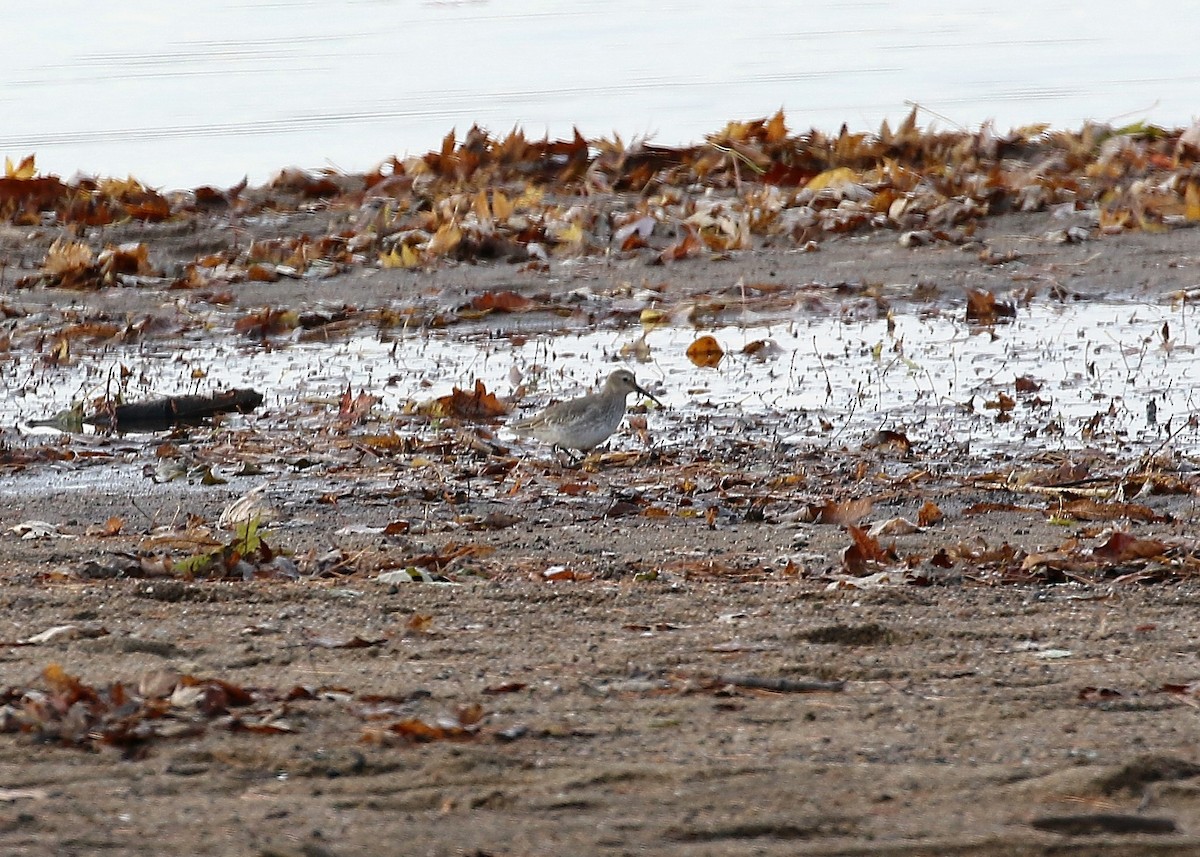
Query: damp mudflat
x,y
880,556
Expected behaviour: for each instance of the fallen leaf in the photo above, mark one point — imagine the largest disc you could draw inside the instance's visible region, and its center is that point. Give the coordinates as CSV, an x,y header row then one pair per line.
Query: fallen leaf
x,y
1088,509
419,623
844,513
23,170
475,405
888,439
706,352
893,527
504,301
1123,547
505,687
864,554
929,514
983,308
686,246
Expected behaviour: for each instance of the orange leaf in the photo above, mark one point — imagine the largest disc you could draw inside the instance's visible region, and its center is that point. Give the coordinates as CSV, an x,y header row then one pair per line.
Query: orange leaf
x,y
929,514
506,301
864,552
706,352
776,129
477,404
681,249
983,308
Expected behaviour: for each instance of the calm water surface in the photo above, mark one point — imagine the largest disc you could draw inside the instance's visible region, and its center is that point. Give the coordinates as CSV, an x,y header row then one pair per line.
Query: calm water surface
x,y
180,95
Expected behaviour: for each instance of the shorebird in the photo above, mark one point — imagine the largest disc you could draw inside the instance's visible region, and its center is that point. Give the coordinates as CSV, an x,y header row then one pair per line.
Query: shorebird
x,y
586,422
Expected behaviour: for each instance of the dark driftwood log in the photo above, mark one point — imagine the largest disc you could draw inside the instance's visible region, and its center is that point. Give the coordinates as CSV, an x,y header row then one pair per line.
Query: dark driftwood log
x,y
160,414
1096,824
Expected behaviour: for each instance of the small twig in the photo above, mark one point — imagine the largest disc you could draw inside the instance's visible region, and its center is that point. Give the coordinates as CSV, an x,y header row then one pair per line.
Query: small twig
x,y
916,105
782,685
1149,459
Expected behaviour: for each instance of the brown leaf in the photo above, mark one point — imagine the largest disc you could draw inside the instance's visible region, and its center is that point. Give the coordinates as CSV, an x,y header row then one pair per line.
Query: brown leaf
x,y
864,553
262,272
463,727
108,529
574,489
505,687
1003,403
1189,689
888,439
1122,547
353,410
69,264
1088,509
93,330
559,572
66,687
354,642
266,322
846,513
24,170
1026,384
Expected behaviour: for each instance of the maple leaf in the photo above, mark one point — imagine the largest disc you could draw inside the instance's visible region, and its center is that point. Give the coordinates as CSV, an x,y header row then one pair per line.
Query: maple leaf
x,y
24,170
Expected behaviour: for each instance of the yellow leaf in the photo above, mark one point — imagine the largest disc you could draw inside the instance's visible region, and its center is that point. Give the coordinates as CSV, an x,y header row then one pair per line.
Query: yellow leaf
x,y
502,209
402,256
482,210
1191,202
118,188
837,177
531,198
66,256
571,234
24,170
652,318
1151,226
445,239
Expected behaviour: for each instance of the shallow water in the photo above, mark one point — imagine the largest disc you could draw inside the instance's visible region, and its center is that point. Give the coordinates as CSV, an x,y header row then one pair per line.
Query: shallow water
x,y
1103,368
181,95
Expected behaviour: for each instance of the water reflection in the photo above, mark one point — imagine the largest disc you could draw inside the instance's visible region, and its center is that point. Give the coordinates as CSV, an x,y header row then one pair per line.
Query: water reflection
x,y
181,95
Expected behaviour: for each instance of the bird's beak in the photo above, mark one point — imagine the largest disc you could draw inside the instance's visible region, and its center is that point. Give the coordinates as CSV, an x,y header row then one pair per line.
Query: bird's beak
x,y
649,395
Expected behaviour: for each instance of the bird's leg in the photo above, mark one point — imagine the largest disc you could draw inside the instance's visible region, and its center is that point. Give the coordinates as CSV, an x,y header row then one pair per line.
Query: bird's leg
x,y
571,456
